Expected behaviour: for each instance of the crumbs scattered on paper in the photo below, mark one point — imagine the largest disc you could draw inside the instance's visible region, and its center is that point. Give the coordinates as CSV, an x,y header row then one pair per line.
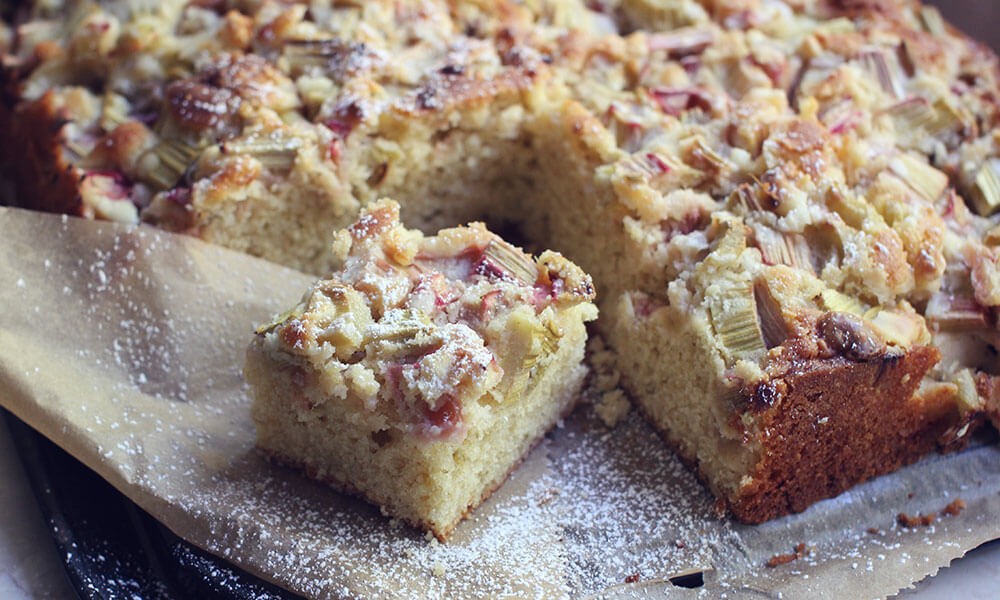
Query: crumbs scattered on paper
x,y
609,400
953,508
801,550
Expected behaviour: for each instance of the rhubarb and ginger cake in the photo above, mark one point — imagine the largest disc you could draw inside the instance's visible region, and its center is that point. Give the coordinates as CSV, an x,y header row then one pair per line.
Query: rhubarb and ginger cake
x,y
789,207
420,373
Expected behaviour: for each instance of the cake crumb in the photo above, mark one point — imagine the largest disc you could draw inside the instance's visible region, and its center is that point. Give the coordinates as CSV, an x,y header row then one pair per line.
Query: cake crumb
x,y
781,559
874,531
612,407
954,508
916,521
633,578
437,569
611,403
801,551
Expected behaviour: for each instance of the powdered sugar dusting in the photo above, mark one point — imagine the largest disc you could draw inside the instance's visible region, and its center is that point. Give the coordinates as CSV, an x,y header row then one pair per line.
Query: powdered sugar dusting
x,y
627,514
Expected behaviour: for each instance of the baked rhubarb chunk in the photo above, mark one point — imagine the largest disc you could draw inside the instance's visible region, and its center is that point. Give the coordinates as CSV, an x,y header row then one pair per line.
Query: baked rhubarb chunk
x,y
422,371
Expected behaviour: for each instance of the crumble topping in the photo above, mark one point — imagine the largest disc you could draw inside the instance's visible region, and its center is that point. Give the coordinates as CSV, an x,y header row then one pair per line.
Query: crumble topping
x,y
419,327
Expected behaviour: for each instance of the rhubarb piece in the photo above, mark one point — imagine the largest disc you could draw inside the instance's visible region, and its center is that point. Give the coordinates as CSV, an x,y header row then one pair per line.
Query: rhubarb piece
x,y
734,319
932,21
675,102
510,261
707,157
681,42
913,113
968,395
898,328
782,248
420,373
275,152
327,55
986,195
923,178
774,330
106,195
918,119
747,199
165,164
833,300
956,313
884,68
648,165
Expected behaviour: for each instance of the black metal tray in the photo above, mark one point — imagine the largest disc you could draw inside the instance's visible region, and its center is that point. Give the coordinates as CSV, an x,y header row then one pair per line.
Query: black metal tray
x,y
112,548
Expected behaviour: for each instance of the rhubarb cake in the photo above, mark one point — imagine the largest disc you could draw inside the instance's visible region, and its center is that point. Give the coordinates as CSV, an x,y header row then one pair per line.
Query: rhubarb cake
x,y
793,200
420,373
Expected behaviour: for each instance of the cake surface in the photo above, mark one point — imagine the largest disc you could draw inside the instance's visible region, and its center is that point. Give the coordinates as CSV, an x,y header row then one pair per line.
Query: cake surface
x,y
421,373
789,208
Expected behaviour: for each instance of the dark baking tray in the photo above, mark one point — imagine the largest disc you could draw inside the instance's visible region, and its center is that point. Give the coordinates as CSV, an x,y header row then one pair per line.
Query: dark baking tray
x,y
111,547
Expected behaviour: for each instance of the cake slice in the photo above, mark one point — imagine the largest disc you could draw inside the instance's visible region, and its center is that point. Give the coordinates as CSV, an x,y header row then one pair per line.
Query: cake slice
x,y
422,371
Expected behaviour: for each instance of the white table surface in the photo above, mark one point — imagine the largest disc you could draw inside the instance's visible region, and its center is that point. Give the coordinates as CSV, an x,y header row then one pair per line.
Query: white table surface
x,y
31,568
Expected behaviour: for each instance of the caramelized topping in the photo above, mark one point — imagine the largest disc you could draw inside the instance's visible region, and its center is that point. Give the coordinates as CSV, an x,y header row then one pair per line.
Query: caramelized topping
x,y
197,106
848,335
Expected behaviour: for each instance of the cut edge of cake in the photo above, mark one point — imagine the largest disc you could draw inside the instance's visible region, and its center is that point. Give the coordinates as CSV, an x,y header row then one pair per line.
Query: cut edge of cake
x,y
422,373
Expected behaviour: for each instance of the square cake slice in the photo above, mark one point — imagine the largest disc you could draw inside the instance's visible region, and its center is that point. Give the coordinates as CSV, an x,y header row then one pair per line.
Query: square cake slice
x,y
421,373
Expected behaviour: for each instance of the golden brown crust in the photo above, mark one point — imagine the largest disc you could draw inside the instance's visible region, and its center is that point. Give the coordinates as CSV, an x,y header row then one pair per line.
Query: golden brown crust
x,y
445,92
33,158
838,423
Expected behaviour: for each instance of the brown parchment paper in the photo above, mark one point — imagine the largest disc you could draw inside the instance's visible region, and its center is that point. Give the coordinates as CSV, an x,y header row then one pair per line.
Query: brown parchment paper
x,y
125,344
